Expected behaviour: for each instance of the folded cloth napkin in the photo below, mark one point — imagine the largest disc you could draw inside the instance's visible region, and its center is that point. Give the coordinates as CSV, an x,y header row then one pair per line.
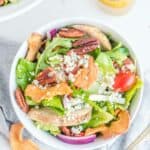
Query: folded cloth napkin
x,y
8,50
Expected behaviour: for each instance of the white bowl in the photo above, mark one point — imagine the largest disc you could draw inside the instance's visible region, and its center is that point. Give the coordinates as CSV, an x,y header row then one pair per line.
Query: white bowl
x,y
14,10
45,137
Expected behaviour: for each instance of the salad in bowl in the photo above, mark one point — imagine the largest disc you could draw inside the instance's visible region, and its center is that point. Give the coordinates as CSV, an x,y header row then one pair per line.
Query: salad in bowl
x,y
76,83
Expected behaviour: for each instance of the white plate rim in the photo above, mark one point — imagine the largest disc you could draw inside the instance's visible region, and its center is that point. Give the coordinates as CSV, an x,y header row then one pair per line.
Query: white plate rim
x,y
19,12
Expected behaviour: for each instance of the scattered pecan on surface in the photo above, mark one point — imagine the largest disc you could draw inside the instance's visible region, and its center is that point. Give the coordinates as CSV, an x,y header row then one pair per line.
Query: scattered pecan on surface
x,y
21,100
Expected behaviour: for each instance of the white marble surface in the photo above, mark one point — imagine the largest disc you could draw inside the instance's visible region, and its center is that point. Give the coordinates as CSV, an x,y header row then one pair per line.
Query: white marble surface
x,y
135,25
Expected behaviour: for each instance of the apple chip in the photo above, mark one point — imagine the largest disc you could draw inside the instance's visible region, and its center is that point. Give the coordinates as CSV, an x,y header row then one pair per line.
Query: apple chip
x,y
16,140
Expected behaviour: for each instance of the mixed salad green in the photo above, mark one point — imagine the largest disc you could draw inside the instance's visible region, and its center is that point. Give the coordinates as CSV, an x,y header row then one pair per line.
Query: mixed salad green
x,y
76,82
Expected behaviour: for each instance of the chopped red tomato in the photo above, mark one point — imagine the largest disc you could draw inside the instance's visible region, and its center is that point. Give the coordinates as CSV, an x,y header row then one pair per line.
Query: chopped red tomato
x,y
124,81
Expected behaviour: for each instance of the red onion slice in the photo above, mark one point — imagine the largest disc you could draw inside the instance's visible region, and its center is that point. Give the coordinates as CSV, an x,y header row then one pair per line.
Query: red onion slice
x,y
51,34
77,140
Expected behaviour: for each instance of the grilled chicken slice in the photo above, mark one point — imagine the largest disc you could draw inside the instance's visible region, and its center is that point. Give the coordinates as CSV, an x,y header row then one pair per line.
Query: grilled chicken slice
x,y
48,116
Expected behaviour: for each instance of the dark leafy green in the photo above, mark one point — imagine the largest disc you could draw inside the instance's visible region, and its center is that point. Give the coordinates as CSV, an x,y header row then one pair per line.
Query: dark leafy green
x,y
95,53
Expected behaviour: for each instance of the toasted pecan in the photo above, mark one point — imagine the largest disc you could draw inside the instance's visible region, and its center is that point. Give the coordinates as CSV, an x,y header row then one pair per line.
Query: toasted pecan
x,y
47,76
21,100
17,142
71,33
85,42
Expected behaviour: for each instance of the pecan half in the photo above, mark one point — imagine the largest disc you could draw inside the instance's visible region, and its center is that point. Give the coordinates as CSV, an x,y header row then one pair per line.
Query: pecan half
x,y
96,33
85,42
21,100
71,33
86,48
47,76
65,130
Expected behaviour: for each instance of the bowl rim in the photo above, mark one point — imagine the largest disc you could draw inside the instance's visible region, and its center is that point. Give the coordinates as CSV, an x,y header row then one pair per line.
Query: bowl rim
x,y
43,29
19,12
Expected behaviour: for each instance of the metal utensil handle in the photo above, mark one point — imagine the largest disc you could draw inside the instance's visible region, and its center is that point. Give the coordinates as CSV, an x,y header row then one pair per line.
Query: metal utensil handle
x,y
140,138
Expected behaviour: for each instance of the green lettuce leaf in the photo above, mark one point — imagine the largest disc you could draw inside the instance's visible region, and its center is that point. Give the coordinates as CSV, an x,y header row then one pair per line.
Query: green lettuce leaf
x,y
105,63
30,102
119,54
55,104
98,119
54,60
48,127
25,72
101,116
132,92
63,43
95,53
93,89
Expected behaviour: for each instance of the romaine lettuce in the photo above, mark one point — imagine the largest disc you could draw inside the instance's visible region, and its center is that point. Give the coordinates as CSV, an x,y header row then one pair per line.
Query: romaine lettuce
x,y
50,46
25,72
101,116
131,93
105,63
30,102
48,127
55,104
98,119
119,54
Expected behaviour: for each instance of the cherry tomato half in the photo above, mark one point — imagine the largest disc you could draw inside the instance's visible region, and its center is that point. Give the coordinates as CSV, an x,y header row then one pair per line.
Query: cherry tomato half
x,y
124,81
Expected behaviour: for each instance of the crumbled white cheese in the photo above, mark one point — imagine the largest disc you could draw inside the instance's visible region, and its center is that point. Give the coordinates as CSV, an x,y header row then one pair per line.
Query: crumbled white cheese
x,y
35,82
61,76
76,129
95,97
109,80
110,96
72,103
32,73
70,61
83,61
71,77
130,67
51,74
